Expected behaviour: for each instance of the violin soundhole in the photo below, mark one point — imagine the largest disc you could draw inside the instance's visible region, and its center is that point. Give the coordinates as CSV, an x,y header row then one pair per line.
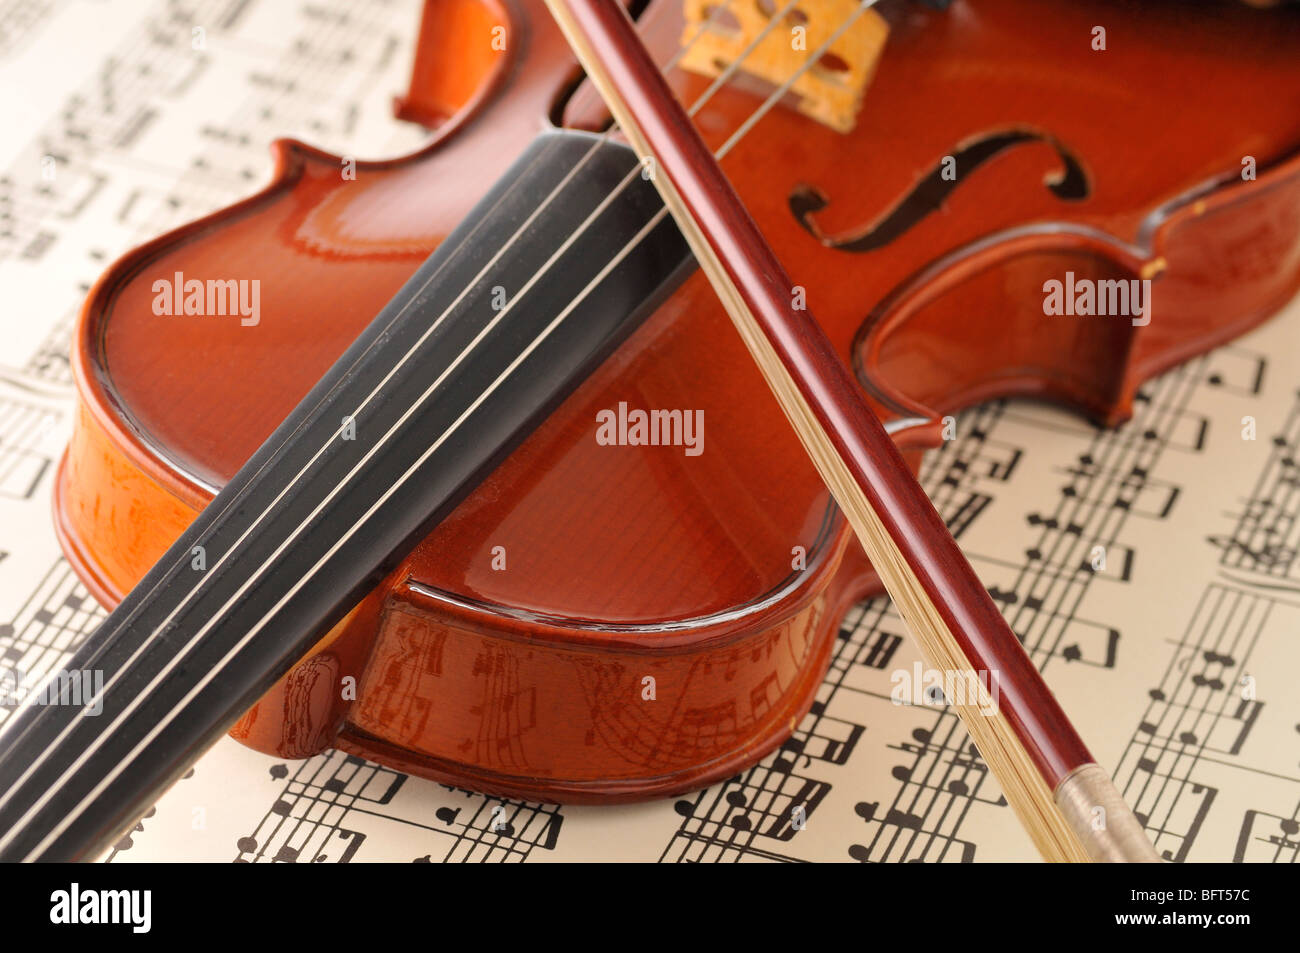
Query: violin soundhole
x,y
1069,183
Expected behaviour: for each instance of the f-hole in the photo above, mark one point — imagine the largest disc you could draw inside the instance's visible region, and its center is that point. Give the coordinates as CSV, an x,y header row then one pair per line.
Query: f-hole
x,y
1069,184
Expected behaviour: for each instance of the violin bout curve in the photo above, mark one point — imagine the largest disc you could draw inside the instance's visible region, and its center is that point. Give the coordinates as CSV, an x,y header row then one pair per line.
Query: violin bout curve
x,y
499,702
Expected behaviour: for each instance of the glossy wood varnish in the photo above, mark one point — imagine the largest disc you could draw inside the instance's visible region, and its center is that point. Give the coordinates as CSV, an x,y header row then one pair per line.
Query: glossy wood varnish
x,y
624,563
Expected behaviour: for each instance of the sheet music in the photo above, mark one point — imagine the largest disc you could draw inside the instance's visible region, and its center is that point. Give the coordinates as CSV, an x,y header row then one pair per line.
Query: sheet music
x,y
1153,571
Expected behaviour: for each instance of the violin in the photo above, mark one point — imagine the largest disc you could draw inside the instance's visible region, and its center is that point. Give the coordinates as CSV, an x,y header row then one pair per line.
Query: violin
x,y
409,509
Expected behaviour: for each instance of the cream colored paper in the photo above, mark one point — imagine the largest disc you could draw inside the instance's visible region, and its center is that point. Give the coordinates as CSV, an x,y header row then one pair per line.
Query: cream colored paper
x,y
1176,658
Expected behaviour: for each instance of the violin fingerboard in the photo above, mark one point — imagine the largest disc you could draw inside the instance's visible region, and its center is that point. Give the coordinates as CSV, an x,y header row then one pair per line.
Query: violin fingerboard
x,y
495,328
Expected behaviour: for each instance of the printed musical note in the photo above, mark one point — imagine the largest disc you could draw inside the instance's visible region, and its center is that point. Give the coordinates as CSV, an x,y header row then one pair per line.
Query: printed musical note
x,y
1199,719
54,620
1269,838
328,806
1265,542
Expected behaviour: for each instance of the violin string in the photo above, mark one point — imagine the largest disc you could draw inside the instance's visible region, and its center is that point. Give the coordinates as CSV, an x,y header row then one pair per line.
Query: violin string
x,y
236,499
76,812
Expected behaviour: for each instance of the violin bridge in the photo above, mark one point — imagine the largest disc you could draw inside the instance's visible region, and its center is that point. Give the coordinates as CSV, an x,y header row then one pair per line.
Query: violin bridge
x,y
718,32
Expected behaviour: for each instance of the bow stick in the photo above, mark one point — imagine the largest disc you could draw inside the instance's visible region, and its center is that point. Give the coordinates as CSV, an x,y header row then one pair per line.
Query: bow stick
x,y
1065,800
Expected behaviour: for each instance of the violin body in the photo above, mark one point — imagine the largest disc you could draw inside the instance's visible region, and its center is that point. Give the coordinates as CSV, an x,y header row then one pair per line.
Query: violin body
x,y
604,622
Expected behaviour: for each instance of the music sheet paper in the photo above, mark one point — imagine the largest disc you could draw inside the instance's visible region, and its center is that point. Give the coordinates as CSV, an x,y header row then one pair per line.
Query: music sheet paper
x,y
1153,572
